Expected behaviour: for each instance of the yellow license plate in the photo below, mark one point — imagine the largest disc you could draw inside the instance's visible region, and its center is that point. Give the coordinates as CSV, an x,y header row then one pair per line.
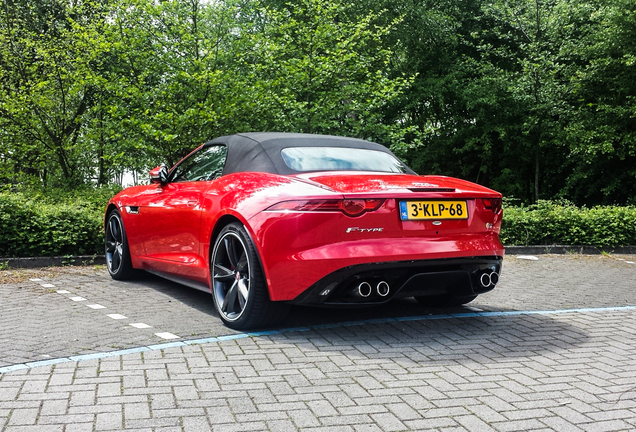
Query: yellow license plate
x,y
425,210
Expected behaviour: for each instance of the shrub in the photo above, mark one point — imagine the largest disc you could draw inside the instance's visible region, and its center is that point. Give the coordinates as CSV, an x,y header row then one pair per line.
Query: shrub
x,y
561,222
33,226
70,223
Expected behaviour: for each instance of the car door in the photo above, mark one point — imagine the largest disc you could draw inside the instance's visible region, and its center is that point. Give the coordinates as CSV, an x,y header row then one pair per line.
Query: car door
x,y
171,213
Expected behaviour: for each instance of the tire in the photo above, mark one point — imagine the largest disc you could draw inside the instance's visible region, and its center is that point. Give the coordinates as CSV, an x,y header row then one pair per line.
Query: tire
x,y
116,247
239,288
447,300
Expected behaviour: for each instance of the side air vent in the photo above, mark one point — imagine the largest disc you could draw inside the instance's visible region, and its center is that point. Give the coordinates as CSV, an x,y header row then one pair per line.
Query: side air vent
x,y
432,189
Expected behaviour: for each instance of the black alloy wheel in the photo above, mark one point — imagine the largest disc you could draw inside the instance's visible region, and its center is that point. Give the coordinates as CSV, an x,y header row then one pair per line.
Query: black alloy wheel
x,y
117,252
239,289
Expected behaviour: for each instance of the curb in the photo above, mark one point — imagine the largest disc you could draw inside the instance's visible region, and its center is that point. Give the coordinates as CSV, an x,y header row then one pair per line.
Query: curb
x,y
82,260
55,261
565,249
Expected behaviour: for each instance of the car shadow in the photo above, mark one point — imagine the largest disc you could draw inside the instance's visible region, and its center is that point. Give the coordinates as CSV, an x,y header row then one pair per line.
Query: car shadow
x,y
298,315
468,339
404,325
190,297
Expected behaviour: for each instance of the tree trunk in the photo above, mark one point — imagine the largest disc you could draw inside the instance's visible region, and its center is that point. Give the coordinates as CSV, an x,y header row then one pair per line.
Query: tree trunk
x,y
536,172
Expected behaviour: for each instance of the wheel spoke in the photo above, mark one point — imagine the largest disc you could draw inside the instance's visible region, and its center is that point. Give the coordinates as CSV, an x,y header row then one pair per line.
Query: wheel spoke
x,y
114,229
221,272
242,263
110,246
243,291
116,261
229,250
230,298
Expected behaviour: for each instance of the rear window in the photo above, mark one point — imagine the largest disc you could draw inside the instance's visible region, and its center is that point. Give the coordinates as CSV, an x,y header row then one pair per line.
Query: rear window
x,y
340,159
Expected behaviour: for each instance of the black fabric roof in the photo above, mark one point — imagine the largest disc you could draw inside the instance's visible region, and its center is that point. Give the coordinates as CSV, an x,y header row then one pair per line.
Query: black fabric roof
x,y
260,151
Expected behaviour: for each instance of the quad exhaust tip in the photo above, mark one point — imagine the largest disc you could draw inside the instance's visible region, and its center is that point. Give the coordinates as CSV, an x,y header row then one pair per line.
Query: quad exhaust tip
x,y
488,279
494,278
383,289
364,289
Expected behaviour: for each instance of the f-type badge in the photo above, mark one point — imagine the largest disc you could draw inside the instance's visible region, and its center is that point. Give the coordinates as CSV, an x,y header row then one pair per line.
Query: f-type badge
x,y
363,230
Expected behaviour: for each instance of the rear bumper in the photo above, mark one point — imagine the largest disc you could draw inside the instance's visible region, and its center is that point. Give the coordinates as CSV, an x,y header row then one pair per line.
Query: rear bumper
x,y
455,276
302,250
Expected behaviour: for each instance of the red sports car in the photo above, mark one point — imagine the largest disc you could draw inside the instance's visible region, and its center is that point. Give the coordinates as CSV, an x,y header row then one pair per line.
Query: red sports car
x,y
264,220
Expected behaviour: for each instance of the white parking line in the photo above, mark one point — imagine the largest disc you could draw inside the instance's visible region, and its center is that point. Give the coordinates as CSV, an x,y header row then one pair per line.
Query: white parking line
x,y
167,335
528,257
115,316
35,280
140,325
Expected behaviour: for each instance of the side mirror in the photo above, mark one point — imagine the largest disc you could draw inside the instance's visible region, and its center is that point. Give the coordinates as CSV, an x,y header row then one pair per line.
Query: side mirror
x,y
159,174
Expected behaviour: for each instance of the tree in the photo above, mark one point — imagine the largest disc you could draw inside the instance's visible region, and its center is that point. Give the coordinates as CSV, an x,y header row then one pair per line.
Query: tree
x,y
601,131
317,70
171,80
46,84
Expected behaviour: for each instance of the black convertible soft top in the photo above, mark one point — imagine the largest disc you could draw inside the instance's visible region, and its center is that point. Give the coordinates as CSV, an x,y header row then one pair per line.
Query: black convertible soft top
x,y
260,151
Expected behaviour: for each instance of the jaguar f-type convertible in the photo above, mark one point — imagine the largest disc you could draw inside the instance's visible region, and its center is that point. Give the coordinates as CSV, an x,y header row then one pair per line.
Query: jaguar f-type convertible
x,y
264,220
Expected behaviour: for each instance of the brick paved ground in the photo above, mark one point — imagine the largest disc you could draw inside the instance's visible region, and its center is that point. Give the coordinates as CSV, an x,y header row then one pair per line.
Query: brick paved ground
x,y
545,371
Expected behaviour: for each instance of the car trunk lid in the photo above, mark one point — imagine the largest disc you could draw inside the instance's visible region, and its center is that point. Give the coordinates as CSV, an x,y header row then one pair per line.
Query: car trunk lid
x,y
360,184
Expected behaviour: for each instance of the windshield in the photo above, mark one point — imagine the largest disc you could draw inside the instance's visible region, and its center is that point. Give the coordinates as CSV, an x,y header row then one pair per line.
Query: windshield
x,y
340,159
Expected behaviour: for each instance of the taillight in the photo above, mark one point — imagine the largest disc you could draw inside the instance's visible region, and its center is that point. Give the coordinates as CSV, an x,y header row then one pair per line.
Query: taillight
x,y
493,204
350,207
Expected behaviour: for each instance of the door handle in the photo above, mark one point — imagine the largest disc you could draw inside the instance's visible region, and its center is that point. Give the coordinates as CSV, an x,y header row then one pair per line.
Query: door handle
x,y
192,203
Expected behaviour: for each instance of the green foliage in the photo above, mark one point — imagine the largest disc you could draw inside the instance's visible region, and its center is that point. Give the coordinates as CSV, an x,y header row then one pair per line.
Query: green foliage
x,y
317,70
170,79
32,226
563,223
67,223
48,84
533,98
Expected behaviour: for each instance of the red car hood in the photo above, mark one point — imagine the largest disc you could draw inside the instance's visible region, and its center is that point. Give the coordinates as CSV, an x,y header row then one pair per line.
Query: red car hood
x,y
373,182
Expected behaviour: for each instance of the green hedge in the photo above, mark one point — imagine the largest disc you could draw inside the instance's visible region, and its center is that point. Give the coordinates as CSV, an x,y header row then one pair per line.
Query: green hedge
x,y
34,226
561,222
70,223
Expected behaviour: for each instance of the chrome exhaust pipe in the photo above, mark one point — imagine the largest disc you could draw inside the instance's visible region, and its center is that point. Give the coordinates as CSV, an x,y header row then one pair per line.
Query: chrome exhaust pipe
x,y
364,289
494,278
383,289
485,280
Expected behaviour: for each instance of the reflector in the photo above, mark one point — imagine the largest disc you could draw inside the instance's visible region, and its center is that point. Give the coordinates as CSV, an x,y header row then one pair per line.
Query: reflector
x,y
493,204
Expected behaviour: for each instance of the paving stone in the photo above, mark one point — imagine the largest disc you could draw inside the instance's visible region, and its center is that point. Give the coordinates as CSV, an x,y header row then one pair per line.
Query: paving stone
x,y
195,424
79,427
303,418
38,428
560,424
26,416
109,421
